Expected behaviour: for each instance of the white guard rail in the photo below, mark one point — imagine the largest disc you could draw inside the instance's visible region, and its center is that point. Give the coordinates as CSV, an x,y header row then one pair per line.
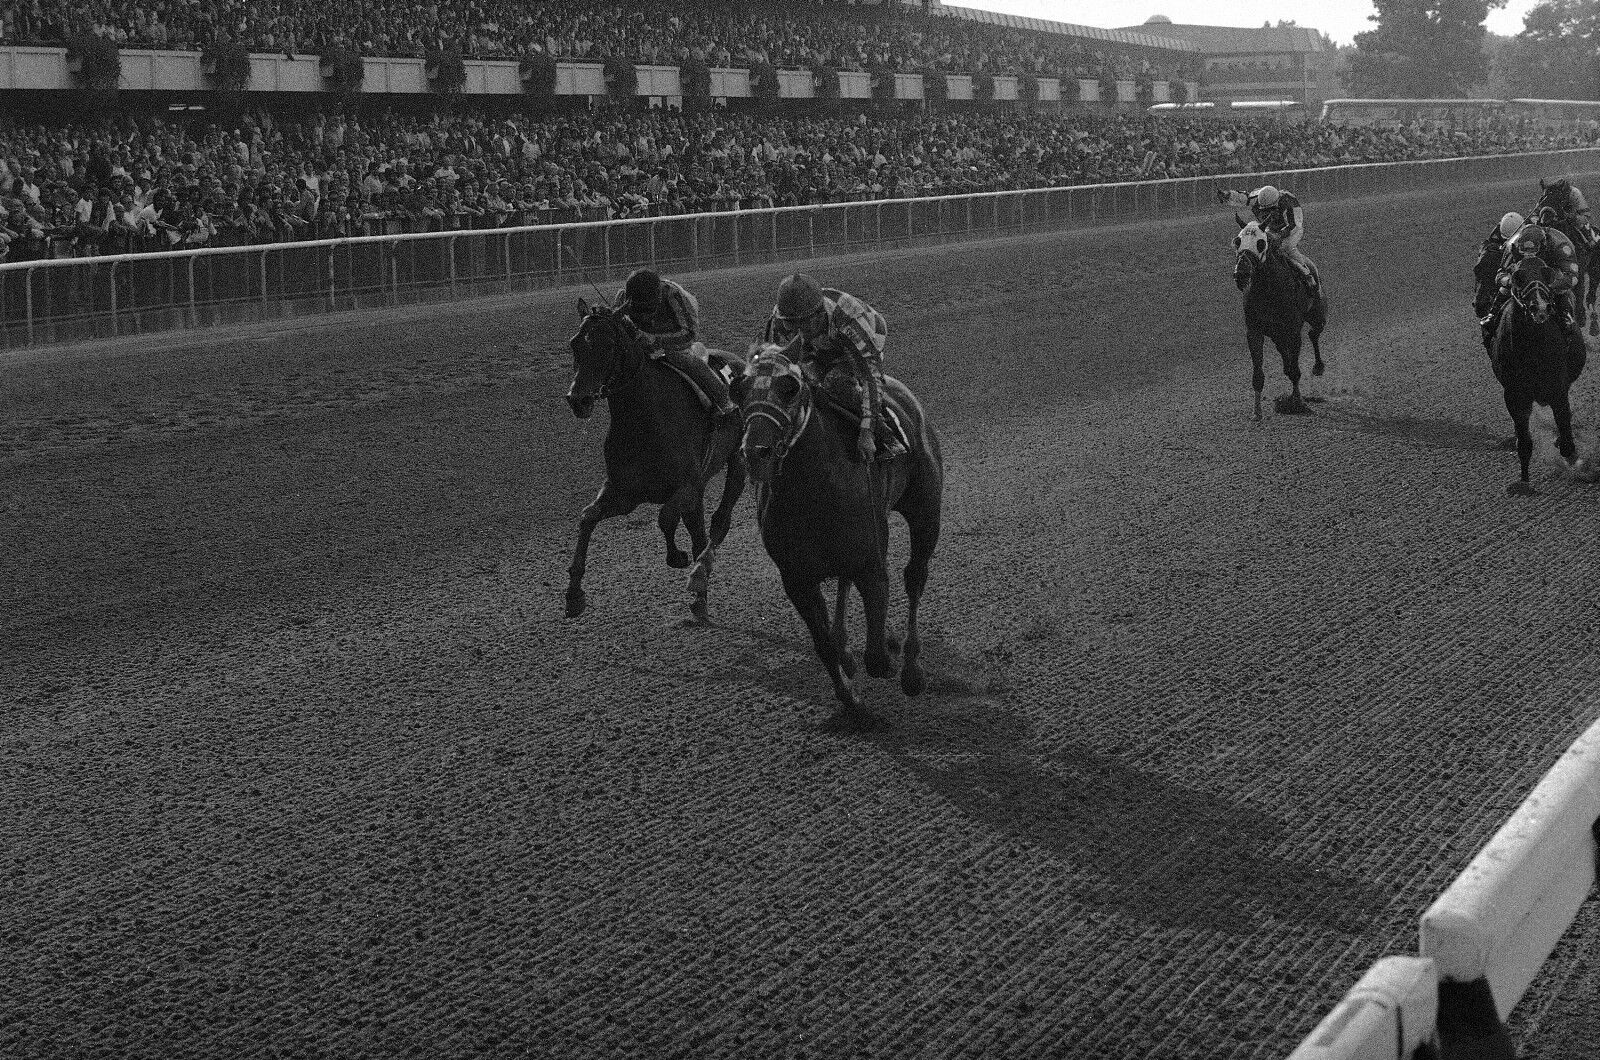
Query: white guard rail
x,y
68,298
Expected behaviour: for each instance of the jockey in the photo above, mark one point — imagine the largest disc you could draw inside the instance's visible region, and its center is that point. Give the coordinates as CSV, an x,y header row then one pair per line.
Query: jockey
x,y
839,331
1574,218
667,316
1555,250
1486,272
1280,216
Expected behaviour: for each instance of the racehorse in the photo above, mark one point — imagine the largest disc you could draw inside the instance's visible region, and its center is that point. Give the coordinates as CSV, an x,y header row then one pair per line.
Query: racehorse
x,y
825,514
1277,305
1535,362
1556,209
660,448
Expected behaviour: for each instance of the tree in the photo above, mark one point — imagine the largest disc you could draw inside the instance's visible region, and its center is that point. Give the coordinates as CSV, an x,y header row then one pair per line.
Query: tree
x,y
1557,54
1422,49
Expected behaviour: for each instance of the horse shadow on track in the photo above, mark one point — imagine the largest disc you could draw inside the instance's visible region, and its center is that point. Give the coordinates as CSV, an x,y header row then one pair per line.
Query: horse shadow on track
x,y
1137,843
1436,433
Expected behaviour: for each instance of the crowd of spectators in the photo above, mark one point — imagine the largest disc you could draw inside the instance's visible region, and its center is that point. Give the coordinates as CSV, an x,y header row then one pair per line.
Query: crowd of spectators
x,y
802,33
159,184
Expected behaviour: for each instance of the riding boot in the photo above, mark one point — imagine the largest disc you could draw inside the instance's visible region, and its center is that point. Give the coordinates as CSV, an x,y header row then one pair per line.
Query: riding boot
x,y
723,410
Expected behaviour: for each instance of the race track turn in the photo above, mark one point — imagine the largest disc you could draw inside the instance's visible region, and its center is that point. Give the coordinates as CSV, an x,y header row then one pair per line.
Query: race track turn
x,y
302,758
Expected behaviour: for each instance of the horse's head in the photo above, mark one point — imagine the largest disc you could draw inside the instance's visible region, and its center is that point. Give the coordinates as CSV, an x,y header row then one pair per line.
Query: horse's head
x,y
1530,288
1250,247
1556,196
604,351
777,407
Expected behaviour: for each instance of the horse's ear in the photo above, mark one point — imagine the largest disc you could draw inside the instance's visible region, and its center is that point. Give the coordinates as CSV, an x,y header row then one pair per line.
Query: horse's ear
x,y
1236,217
583,306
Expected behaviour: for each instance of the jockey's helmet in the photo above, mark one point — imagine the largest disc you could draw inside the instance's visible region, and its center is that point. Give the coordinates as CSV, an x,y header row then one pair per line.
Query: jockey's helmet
x,y
1511,224
1266,195
643,287
799,296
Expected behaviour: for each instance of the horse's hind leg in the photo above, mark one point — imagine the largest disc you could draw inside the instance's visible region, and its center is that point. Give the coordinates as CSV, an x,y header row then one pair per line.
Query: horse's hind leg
x,y
813,609
841,636
667,520
923,521
1521,408
608,503
1317,367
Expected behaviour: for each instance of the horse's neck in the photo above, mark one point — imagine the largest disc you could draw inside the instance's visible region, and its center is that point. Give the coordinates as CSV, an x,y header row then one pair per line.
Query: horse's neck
x,y
822,445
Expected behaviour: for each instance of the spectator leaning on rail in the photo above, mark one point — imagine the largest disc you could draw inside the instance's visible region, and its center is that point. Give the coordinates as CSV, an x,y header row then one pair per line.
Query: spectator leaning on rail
x,y
1282,217
839,331
667,316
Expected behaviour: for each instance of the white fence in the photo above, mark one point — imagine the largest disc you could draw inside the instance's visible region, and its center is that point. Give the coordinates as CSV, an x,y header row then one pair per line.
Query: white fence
x,y
75,298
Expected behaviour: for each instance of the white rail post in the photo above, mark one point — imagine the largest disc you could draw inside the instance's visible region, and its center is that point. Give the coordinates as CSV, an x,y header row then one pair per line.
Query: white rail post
x,y
27,288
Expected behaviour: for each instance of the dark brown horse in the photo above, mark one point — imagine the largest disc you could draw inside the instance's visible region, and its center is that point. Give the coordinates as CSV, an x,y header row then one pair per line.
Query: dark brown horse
x,y
824,514
1556,209
1535,362
660,448
1277,306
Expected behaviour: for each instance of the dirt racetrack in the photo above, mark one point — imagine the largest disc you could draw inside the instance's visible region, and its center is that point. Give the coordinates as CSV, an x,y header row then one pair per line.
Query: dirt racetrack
x,y
302,759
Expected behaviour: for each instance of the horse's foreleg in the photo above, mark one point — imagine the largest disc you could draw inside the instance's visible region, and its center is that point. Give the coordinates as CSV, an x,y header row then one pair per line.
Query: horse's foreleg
x,y
1561,409
841,637
1289,352
608,503
691,503
721,520
874,589
1521,408
813,609
1258,378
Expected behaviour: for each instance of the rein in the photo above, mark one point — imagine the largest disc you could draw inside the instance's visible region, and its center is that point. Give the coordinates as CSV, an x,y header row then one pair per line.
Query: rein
x,y
1532,287
623,344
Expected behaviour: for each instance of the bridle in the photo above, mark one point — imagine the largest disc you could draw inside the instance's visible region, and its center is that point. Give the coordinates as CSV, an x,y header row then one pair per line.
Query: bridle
x,y
1520,294
621,342
791,426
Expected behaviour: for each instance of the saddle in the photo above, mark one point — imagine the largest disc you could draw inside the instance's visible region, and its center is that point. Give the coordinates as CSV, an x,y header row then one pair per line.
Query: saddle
x,y
841,392
728,366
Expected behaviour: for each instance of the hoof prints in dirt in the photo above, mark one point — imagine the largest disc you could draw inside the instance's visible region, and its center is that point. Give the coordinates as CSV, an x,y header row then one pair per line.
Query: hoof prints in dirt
x,y
239,406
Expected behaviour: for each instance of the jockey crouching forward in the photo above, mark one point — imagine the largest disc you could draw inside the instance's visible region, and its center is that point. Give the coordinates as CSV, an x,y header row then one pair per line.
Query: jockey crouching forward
x,y
1556,251
667,316
1282,217
1486,273
839,333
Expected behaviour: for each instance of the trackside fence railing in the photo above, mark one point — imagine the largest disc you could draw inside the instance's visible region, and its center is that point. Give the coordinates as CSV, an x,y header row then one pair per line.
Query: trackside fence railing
x,y
73,298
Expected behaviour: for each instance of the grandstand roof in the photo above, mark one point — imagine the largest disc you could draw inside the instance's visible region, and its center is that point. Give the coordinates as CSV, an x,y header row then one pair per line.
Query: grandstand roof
x,y
1132,36
1229,40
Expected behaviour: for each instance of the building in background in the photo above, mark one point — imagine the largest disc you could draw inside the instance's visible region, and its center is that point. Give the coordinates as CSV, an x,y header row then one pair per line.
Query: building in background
x,y
1268,63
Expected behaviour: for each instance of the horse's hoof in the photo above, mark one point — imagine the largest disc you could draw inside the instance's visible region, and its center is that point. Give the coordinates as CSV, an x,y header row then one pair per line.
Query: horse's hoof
x,y
576,602
699,582
912,682
879,666
1318,368
1520,489
847,663
677,559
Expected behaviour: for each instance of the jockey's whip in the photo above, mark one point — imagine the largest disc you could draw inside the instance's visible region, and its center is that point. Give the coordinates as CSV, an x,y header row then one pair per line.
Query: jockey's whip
x,y
583,273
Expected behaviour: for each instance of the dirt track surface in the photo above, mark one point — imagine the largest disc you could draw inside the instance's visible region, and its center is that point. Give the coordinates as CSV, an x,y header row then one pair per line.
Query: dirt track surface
x,y
302,758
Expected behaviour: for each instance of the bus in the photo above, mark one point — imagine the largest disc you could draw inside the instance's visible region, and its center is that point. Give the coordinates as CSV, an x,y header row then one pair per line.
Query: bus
x,y
1389,113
